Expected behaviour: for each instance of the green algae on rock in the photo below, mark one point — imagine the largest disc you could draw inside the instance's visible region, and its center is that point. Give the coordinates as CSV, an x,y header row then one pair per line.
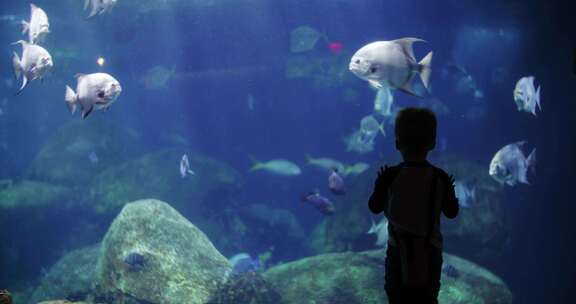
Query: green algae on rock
x,y
31,194
358,277
73,275
180,264
65,158
156,175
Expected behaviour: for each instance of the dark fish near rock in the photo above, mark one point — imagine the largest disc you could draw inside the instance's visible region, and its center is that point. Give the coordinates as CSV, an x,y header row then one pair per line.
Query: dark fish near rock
x,y
450,271
320,202
336,183
135,261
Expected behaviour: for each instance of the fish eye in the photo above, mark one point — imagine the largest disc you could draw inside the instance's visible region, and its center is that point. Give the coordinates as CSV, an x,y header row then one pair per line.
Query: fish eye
x,y
357,61
101,94
373,70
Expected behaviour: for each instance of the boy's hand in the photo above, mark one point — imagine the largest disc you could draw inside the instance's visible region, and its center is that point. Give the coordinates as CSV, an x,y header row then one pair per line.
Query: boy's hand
x,y
385,177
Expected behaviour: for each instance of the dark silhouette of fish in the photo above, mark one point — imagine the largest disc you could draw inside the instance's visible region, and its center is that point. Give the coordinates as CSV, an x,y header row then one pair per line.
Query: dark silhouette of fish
x,y
135,261
320,202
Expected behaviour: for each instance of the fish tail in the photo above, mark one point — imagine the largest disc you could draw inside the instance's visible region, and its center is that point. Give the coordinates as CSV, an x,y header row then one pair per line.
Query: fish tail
x,y
71,99
86,3
256,165
25,27
24,84
425,69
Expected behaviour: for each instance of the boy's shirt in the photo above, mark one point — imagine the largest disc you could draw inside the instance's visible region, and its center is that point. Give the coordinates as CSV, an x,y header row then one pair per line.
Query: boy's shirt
x,y
404,192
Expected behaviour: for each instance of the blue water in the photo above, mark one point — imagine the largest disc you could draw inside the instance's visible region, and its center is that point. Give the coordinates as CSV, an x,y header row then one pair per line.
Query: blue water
x,y
229,52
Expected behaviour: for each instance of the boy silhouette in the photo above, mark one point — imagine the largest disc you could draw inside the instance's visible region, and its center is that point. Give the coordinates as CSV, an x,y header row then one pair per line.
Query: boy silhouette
x,y
412,195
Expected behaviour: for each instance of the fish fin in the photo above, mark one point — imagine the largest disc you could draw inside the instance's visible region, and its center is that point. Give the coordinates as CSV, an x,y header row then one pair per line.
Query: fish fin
x,y
538,100
24,84
375,84
86,3
406,44
520,143
95,11
25,27
17,66
71,99
79,76
425,69
33,7
381,128
407,88
86,112
531,161
256,165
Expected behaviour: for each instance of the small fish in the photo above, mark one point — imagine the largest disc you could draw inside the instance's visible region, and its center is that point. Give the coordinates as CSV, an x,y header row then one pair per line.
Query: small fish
x,y
466,194
97,90
325,163
135,261
250,101
464,82
359,142
38,26
336,183
450,271
93,157
391,64
99,6
526,96
355,169
278,167
509,165
303,39
185,167
319,202
158,77
370,127
380,230
36,62
383,102
243,263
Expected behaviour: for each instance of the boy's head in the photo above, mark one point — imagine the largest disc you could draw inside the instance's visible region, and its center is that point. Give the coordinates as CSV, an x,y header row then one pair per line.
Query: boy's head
x,y
415,132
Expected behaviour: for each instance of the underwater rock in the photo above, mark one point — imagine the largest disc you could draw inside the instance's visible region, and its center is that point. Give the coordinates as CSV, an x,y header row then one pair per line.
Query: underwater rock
x,y
156,175
181,264
358,277
72,276
267,225
31,194
249,287
80,149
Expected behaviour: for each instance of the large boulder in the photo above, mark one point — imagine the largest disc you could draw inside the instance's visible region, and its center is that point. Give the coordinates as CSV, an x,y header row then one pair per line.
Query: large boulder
x,y
80,149
352,277
71,277
156,175
152,253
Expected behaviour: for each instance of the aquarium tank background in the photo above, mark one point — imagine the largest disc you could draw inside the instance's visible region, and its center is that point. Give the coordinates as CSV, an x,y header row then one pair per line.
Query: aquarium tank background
x,y
195,167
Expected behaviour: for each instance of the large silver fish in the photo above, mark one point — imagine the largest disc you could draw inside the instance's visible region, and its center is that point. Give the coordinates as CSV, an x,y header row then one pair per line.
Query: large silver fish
x,y
391,64
526,96
99,6
38,26
510,166
36,62
98,90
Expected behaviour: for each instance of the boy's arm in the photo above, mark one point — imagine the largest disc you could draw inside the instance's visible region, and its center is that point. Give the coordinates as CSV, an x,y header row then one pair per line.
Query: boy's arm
x,y
450,206
378,201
